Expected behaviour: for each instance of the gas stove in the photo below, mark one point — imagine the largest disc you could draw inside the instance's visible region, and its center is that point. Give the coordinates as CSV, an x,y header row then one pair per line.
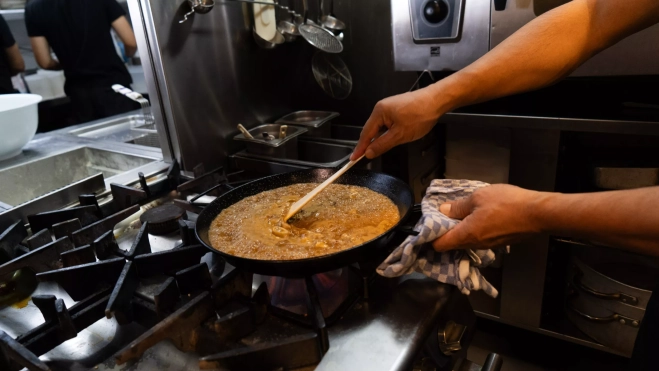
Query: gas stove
x,y
125,285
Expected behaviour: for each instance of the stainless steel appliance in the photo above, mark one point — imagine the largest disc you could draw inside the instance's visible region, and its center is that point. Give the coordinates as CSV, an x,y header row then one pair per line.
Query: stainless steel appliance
x,y
447,35
123,276
608,293
206,75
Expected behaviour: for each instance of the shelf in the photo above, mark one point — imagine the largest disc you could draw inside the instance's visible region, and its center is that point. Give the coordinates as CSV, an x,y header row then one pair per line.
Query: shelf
x,y
12,14
567,332
554,123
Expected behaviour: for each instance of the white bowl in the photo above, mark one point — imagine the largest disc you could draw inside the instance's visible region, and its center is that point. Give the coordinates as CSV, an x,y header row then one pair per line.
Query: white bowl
x,y
19,119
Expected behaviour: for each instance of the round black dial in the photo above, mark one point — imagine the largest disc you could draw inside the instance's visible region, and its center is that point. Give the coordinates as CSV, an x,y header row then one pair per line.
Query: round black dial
x,y
435,11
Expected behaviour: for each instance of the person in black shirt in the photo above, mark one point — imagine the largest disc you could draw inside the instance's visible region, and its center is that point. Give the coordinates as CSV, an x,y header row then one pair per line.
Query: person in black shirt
x,y
11,61
79,33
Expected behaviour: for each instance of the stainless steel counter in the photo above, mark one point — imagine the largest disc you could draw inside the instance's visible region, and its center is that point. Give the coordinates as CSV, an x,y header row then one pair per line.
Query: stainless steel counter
x,y
384,333
63,157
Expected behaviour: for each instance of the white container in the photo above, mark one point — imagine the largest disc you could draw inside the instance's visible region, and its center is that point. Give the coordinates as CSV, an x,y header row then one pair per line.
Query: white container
x,y
40,85
56,81
19,119
48,84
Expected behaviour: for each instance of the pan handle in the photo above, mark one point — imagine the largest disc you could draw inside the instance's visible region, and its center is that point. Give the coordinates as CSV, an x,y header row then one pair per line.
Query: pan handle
x,y
493,362
406,230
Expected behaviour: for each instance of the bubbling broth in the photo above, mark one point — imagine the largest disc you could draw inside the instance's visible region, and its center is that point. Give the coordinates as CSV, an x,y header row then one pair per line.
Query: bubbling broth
x,y
340,217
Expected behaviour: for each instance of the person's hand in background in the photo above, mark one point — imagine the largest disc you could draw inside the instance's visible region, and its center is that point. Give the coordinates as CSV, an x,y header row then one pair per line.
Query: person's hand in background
x,y
492,216
406,117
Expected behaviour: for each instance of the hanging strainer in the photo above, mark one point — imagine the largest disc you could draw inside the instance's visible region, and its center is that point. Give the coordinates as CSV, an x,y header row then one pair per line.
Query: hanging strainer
x,y
320,38
332,74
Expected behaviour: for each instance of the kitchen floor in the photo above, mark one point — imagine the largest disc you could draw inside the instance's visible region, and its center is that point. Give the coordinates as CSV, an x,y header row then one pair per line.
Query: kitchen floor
x,y
524,350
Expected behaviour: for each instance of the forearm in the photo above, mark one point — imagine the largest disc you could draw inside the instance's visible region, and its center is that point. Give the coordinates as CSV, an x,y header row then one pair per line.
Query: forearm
x,y
51,64
41,50
125,33
545,50
130,50
627,219
15,60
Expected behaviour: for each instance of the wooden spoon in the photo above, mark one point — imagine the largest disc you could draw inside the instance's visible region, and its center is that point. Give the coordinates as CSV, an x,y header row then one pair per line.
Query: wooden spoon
x,y
305,200
245,132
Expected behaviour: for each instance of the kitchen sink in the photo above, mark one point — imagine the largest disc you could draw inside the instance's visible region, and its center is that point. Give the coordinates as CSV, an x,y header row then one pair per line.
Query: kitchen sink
x,y
27,181
128,129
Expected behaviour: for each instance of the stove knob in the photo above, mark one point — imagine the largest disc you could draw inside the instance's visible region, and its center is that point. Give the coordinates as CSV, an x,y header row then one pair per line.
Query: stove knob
x,y
450,337
435,11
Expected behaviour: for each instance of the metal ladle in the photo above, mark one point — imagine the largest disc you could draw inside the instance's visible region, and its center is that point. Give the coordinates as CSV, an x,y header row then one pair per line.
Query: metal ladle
x,y
288,29
268,44
329,21
289,10
315,35
198,6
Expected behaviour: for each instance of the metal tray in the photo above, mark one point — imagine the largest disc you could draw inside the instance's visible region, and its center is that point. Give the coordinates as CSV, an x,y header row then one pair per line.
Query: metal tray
x,y
316,122
277,148
340,134
311,155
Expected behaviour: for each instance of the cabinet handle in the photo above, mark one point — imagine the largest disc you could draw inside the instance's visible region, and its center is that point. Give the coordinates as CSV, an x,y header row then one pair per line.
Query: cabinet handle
x,y
619,296
623,320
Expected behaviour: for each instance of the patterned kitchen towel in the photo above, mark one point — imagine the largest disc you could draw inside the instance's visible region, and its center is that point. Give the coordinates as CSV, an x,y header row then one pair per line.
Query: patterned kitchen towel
x,y
456,267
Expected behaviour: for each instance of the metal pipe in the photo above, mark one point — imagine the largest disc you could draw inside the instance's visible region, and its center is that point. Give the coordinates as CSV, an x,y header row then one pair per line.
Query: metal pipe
x,y
494,362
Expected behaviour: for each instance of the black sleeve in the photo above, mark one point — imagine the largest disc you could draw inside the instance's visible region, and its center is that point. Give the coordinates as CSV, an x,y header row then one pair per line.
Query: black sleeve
x,y
32,22
6,38
113,10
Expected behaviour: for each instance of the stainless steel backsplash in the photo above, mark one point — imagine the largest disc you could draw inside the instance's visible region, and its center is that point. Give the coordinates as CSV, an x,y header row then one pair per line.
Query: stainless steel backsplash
x,y
207,75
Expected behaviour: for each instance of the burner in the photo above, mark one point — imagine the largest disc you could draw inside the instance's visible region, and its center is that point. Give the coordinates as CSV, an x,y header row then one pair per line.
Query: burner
x,y
291,294
163,219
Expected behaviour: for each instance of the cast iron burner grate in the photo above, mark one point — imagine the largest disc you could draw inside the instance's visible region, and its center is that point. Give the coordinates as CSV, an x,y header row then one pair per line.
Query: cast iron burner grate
x,y
232,329
170,292
112,286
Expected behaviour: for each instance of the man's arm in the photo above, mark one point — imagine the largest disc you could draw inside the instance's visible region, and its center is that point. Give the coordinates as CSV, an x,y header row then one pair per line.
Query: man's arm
x,y
125,33
15,59
41,50
540,53
8,43
501,214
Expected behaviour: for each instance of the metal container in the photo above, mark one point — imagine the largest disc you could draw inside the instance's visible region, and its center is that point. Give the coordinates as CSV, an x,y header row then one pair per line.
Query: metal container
x,y
346,135
125,129
312,154
608,293
275,148
317,123
27,181
340,134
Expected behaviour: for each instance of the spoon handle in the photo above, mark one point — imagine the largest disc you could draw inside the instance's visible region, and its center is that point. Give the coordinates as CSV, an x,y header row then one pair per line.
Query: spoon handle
x,y
309,196
245,132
